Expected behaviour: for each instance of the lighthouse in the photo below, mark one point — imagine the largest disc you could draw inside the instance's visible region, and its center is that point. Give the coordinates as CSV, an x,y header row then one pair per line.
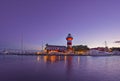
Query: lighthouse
x,y
69,39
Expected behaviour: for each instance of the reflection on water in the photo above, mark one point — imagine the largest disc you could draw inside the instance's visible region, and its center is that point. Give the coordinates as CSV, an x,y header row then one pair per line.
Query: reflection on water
x,y
53,59
65,59
59,68
78,60
38,58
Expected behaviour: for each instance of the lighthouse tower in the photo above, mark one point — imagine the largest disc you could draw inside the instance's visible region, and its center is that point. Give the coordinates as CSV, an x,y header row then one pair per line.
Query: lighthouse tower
x,y
69,39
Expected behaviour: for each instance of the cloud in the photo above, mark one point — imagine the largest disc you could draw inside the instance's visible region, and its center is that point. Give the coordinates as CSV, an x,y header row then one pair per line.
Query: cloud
x,y
117,41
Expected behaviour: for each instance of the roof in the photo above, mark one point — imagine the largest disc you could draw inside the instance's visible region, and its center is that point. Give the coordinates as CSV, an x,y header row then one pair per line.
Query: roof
x,y
55,46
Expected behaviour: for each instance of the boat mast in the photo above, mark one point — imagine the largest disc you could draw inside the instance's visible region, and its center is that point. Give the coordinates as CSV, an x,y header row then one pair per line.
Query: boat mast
x,y
105,44
22,43
106,47
42,46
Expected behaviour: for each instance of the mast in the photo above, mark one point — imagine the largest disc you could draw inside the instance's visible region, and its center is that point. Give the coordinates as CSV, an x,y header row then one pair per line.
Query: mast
x,y
42,45
105,44
106,47
22,43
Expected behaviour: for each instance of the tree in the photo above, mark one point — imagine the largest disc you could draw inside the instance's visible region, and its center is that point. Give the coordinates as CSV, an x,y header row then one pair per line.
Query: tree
x,y
115,49
80,48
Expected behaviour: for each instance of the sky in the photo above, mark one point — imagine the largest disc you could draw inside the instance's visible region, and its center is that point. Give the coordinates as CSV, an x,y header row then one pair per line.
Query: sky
x,y
37,22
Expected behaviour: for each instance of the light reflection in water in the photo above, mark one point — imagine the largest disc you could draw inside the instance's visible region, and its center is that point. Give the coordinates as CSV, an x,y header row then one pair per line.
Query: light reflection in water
x,y
78,60
53,59
45,58
69,65
65,59
50,59
38,58
59,57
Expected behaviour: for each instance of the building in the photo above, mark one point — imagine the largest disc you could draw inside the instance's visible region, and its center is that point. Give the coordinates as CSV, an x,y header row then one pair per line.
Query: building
x,y
63,49
69,39
55,48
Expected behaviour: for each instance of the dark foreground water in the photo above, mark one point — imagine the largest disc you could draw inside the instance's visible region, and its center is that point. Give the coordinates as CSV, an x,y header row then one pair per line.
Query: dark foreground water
x,y
59,68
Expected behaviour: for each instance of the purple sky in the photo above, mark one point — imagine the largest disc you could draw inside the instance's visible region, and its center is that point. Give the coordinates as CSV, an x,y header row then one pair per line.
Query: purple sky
x,y
91,22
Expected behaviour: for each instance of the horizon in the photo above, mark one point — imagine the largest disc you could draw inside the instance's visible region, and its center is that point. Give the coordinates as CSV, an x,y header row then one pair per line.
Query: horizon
x,y
90,22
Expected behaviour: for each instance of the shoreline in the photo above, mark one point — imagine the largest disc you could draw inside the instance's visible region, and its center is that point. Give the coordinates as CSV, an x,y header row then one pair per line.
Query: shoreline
x,y
60,54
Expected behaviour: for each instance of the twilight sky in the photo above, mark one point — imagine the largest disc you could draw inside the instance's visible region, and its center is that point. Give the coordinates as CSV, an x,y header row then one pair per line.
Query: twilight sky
x,y
91,22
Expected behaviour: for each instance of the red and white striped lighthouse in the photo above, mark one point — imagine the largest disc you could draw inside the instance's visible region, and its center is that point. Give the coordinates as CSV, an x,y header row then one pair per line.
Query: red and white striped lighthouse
x,y
69,39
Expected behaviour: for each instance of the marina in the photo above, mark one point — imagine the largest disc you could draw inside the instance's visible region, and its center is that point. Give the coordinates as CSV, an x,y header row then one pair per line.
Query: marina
x,y
59,40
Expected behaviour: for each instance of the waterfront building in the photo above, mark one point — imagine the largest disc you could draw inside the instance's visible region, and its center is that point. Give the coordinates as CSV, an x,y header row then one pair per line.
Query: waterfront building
x,y
56,48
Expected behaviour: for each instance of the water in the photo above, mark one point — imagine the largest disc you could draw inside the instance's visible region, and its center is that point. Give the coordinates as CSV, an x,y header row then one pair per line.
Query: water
x,y
59,68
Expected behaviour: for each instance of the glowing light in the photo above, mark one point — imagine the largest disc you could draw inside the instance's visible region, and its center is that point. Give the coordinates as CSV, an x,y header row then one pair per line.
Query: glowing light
x,y
38,53
69,38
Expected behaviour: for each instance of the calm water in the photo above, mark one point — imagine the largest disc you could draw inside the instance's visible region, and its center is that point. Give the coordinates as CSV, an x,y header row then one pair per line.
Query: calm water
x,y
59,68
